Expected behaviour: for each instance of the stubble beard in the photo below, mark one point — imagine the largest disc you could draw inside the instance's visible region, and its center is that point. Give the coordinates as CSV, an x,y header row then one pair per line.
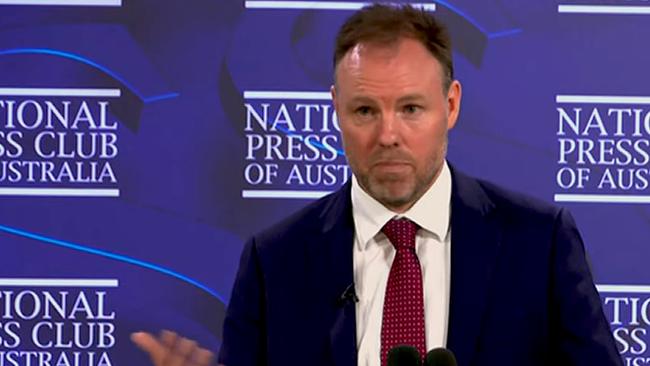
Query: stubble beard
x,y
400,193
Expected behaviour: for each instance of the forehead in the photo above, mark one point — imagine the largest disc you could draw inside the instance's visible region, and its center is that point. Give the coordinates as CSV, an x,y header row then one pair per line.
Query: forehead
x,y
404,63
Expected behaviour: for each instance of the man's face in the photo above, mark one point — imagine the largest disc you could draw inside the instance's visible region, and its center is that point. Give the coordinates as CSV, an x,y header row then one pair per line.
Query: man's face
x,y
394,116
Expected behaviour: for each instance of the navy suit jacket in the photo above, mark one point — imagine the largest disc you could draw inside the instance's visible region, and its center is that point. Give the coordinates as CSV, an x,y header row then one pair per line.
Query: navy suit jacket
x,y
521,290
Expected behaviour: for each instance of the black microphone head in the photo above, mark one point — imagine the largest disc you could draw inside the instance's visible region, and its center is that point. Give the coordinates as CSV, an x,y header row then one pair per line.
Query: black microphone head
x,y
404,356
440,357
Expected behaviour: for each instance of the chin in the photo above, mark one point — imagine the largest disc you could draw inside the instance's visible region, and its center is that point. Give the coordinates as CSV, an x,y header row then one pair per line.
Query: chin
x,y
393,197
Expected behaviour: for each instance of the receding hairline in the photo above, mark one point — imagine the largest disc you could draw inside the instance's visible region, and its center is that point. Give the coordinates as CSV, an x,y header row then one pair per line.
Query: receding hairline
x,y
393,45
387,25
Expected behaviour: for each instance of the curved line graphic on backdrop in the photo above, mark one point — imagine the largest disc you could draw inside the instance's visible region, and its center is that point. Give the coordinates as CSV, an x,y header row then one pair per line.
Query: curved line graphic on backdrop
x,y
117,257
317,145
89,62
475,23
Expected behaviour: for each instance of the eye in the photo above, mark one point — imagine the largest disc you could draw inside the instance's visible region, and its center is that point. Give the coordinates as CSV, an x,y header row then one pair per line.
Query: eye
x,y
412,109
364,111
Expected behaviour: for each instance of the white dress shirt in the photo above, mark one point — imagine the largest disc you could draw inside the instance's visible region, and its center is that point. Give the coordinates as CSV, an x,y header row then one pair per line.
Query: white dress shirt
x,y
373,255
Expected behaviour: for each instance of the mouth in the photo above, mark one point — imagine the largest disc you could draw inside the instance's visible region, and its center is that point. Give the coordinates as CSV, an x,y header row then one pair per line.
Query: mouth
x,y
390,163
391,166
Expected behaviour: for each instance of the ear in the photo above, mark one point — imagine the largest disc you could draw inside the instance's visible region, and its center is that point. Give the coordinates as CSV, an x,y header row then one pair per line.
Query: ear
x,y
333,93
453,103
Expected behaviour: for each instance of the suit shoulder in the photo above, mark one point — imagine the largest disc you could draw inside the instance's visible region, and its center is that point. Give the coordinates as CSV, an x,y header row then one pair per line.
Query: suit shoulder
x,y
517,204
308,220
522,215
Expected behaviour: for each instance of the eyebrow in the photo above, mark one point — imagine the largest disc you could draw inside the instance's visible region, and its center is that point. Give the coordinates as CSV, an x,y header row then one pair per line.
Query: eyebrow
x,y
411,98
404,99
361,99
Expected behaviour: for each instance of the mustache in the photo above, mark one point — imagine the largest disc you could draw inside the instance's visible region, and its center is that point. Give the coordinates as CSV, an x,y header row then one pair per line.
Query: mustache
x,y
392,156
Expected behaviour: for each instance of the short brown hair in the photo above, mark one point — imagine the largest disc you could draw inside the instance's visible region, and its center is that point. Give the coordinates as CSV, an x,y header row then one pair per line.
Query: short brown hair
x,y
386,24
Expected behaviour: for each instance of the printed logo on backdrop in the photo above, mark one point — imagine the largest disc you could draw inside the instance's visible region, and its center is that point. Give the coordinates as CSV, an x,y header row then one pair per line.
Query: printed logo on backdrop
x,y
603,149
612,7
63,322
293,145
58,142
628,311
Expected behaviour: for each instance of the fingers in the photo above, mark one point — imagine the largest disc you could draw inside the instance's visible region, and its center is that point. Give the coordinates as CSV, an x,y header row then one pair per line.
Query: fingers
x,y
168,338
150,344
203,357
181,352
170,349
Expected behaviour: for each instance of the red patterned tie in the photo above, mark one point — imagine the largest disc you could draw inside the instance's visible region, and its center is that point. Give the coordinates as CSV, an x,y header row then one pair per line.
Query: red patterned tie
x,y
403,319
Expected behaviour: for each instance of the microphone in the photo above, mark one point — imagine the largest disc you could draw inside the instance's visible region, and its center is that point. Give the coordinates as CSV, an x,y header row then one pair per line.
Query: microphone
x,y
440,357
348,296
403,356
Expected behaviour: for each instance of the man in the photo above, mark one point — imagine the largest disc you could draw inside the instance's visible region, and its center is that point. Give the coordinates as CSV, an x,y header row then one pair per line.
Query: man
x,y
411,251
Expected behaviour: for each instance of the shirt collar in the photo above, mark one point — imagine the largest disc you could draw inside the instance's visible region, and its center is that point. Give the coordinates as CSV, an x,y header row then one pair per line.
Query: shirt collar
x,y
431,212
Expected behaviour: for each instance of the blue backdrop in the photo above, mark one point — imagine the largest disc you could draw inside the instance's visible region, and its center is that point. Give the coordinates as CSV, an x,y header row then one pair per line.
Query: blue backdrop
x,y
142,141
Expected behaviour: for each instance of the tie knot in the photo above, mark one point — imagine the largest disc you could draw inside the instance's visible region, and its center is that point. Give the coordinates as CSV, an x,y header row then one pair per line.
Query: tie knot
x,y
401,233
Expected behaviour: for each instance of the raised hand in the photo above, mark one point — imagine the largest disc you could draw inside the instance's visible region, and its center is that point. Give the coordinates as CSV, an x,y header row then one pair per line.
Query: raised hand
x,y
170,349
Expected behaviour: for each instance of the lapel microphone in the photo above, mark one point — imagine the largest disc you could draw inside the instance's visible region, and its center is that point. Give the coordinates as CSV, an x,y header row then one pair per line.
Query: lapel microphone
x,y
440,357
403,356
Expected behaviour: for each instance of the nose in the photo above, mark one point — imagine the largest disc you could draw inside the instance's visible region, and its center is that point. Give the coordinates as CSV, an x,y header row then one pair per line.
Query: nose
x,y
388,130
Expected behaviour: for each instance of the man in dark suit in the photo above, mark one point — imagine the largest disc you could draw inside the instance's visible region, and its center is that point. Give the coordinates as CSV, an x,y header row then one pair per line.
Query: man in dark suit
x,y
412,251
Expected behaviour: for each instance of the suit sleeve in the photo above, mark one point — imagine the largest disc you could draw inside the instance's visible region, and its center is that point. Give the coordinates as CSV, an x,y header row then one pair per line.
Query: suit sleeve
x,y
244,335
580,332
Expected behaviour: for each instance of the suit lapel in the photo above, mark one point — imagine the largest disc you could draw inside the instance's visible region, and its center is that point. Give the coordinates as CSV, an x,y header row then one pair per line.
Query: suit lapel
x,y
332,251
474,245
